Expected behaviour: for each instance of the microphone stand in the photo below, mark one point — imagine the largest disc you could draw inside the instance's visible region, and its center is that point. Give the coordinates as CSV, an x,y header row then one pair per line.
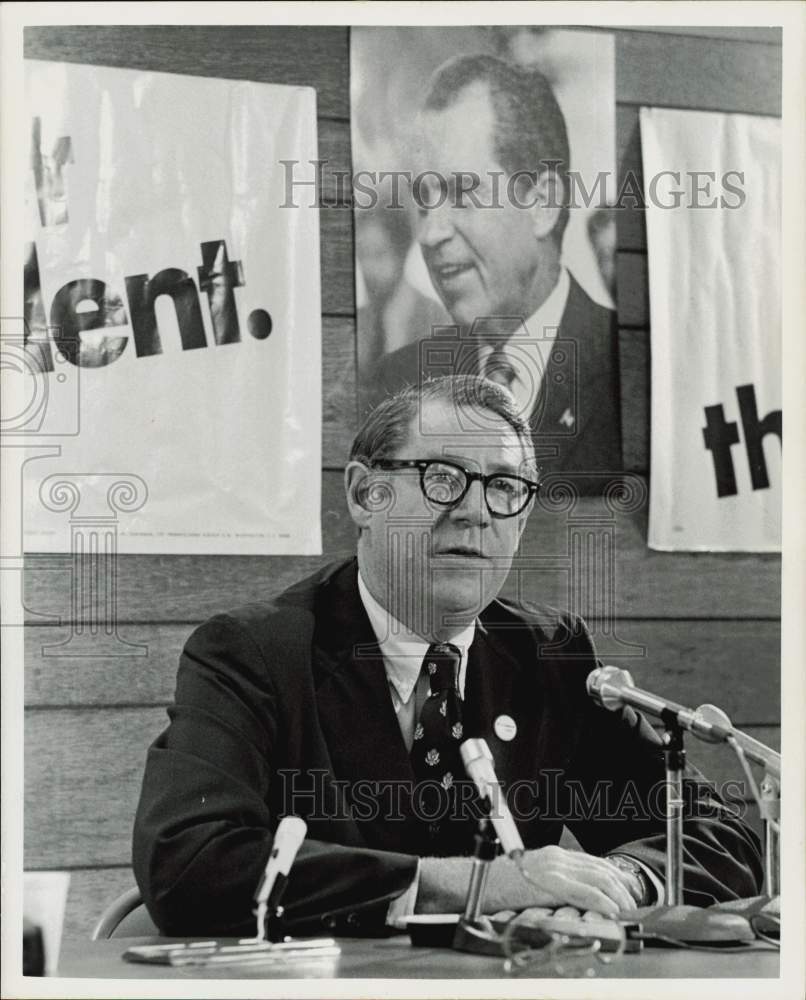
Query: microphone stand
x,y
675,756
473,933
767,796
686,922
771,812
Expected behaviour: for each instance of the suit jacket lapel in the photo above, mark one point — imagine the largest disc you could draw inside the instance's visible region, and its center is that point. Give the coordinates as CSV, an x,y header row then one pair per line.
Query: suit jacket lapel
x,y
590,329
566,371
355,710
507,677
493,689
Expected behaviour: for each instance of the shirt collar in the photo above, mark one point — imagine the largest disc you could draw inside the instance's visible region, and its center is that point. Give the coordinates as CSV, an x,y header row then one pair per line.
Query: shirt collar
x,y
403,651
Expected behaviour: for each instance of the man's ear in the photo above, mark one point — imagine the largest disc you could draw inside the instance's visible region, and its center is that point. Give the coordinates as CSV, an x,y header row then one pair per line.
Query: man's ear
x,y
356,483
547,200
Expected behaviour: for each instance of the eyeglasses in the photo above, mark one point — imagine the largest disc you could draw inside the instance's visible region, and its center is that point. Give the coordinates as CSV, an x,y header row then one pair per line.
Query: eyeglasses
x,y
446,484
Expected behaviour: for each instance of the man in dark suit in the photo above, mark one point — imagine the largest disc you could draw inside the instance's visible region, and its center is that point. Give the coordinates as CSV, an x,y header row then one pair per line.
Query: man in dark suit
x,y
346,699
492,190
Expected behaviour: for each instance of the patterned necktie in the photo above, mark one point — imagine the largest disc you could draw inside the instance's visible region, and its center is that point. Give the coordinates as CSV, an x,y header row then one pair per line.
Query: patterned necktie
x,y
520,371
435,753
499,368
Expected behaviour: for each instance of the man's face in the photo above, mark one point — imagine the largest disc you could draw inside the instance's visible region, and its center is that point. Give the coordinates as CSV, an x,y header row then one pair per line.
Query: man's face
x,y
432,567
483,261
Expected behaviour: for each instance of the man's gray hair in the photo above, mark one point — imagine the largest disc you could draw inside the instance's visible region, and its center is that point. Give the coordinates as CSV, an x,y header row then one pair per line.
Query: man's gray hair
x,y
386,429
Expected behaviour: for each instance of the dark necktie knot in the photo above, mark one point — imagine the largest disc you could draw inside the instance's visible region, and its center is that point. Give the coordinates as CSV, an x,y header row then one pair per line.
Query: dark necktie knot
x,y
442,664
499,368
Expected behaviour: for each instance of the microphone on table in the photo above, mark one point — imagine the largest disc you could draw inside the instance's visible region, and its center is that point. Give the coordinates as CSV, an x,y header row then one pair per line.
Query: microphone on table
x,y
288,838
612,688
478,763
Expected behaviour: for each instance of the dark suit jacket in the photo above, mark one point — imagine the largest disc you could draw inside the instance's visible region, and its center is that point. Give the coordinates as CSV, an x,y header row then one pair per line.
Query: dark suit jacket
x,y
285,708
581,377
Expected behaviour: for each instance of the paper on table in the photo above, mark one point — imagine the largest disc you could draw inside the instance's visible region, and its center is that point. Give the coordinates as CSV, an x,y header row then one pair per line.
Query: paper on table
x,y
44,897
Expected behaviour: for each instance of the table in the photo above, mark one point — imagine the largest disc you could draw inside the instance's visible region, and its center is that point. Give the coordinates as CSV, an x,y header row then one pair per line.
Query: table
x,y
396,958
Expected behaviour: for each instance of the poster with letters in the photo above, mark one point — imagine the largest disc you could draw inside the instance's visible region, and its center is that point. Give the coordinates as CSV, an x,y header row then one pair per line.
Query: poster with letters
x,y
715,299
172,313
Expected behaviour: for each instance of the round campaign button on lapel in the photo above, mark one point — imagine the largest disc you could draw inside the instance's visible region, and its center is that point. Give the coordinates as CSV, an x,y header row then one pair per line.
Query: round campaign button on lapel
x,y
505,728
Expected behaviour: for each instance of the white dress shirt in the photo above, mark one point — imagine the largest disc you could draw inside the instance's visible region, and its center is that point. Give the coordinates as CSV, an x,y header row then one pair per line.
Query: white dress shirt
x,y
403,653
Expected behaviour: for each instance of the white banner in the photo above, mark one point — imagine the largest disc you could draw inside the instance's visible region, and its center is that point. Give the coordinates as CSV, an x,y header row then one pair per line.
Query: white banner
x,y
713,194
173,311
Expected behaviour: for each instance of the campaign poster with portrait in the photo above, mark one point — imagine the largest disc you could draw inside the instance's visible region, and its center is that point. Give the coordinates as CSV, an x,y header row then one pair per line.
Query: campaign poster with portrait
x,y
172,314
483,184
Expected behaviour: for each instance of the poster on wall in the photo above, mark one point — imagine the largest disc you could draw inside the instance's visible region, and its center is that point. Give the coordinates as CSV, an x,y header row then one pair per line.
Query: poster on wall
x,y
172,313
484,180
715,317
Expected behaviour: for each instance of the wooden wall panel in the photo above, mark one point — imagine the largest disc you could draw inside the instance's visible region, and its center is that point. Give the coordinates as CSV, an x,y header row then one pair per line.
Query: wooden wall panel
x,y
756,33
732,663
80,802
633,289
83,772
334,150
339,400
634,366
685,72
336,236
630,216
648,584
297,56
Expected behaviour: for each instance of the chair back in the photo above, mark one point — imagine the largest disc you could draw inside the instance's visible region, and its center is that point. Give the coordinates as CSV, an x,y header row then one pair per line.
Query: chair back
x,y
125,917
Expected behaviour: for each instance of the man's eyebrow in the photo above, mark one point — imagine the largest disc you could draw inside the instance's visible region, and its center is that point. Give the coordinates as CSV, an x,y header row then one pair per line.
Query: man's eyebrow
x,y
501,466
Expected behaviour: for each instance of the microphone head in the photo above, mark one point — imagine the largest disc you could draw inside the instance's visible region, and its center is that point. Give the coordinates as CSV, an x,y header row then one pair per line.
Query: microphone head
x,y
288,837
711,724
605,684
472,750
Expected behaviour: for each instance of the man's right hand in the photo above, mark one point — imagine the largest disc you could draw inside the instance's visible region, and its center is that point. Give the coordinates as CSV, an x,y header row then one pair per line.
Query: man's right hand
x,y
559,877
554,877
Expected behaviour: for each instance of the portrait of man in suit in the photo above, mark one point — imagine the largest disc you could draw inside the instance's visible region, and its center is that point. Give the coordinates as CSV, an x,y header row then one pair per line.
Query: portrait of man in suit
x,y
346,700
494,254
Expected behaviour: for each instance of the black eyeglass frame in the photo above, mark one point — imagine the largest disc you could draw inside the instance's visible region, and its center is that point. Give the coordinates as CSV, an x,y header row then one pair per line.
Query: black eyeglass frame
x,y
392,464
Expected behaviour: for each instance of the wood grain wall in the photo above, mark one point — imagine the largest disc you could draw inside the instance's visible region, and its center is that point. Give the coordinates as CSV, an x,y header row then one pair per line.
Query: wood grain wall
x,y
706,626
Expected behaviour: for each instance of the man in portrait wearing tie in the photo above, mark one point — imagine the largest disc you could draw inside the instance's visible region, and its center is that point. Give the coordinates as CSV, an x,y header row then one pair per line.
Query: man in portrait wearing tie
x,y
493,194
345,701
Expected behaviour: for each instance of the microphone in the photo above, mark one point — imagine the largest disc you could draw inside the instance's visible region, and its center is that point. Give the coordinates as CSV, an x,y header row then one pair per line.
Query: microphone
x,y
478,763
287,840
612,688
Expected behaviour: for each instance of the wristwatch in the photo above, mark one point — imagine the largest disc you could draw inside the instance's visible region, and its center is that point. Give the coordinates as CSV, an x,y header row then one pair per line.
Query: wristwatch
x,y
641,888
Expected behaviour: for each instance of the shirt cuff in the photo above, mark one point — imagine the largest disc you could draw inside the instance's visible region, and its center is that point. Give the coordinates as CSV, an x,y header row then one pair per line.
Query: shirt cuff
x,y
403,906
652,878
